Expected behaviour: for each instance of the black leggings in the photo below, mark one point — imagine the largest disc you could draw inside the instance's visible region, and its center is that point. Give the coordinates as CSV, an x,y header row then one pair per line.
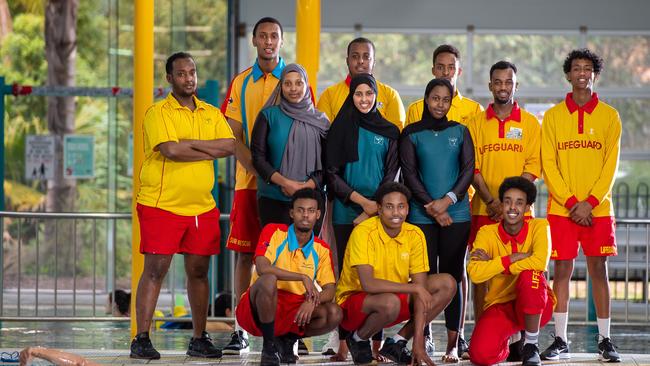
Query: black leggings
x,y
446,248
277,212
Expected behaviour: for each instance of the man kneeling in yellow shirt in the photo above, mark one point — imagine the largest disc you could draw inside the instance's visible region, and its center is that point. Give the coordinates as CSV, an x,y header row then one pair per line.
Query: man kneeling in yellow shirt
x,y
374,291
512,256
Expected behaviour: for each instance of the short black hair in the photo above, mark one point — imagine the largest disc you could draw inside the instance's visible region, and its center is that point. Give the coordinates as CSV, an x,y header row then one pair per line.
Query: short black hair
x,y
169,65
438,82
446,48
502,65
122,300
361,40
583,54
222,301
308,193
268,20
390,187
521,184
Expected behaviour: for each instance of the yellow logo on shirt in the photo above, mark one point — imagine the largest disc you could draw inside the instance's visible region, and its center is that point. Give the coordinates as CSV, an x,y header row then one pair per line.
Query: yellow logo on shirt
x,y
554,253
607,250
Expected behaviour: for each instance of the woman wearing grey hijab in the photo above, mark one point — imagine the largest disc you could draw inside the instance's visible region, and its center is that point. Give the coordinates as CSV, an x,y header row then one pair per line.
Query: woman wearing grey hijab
x,y
287,145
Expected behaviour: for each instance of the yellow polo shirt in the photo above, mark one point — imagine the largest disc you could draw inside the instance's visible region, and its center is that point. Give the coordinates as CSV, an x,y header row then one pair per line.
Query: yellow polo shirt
x,y
392,259
462,110
580,152
183,188
499,273
256,87
278,244
504,149
389,102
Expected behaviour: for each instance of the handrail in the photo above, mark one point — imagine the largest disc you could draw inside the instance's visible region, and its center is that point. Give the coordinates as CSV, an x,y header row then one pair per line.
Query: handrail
x,y
78,215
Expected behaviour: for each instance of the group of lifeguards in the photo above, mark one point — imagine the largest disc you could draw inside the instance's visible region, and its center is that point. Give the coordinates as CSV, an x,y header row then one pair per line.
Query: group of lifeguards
x,y
389,270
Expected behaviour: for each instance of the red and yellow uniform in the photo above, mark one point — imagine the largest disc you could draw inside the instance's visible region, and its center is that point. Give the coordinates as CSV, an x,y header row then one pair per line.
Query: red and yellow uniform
x,y
177,188
462,110
388,102
392,259
503,149
514,289
580,153
278,244
248,92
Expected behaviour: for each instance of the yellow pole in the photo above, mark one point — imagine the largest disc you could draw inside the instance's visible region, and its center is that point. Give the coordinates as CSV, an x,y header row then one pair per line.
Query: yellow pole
x,y
308,48
308,38
142,99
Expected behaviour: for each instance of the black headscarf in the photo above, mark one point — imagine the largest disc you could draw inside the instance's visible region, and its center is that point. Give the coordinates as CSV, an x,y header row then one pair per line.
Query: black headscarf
x,y
343,136
428,122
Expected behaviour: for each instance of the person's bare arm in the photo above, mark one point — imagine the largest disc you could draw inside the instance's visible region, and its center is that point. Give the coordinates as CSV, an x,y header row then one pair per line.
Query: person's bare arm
x,y
495,211
373,285
263,266
57,357
182,151
217,148
242,152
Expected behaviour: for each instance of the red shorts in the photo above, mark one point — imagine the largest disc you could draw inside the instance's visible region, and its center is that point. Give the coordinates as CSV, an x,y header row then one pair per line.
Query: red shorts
x,y
163,232
498,322
285,312
244,222
354,317
598,240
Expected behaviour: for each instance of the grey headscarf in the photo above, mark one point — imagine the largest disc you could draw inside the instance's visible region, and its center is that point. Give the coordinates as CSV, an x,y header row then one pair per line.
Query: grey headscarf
x,y
302,155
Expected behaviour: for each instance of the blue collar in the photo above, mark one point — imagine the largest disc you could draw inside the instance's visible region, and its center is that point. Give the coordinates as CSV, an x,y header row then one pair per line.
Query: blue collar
x,y
277,72
293,242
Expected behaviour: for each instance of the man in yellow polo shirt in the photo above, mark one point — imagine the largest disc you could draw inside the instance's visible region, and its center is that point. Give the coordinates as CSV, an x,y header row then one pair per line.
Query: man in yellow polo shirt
x,y
384,281
283,302
512,256
175,207
361,60
446,65
246,96
581,139
507,143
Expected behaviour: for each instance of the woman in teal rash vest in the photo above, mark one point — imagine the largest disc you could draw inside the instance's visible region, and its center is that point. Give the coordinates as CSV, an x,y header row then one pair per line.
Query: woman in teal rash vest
x,y
286,145
437,159
361,156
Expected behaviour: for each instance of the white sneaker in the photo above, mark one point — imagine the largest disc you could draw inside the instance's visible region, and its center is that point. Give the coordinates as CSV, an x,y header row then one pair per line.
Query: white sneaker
x,y
332,346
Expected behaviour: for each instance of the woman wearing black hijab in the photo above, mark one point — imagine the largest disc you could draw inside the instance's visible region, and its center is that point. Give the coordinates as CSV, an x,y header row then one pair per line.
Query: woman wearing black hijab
x,y
361,155
437,160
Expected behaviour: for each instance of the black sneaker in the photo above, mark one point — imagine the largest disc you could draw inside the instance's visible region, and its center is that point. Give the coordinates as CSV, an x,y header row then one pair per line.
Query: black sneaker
x,y
142,348
302,348
530,355
463,348
270,354
607,351
237,345
285,348
360,351
429,346
515,351
203,347
396,351
558,350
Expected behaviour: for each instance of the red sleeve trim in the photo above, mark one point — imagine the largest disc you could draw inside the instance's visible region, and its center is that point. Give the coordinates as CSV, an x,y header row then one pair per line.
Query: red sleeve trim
x,y
477,171
505,261
224,104
593,201
571,202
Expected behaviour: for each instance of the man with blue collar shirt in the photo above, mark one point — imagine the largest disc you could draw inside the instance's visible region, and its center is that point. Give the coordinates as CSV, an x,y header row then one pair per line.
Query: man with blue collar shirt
x,y
283,302
246,96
